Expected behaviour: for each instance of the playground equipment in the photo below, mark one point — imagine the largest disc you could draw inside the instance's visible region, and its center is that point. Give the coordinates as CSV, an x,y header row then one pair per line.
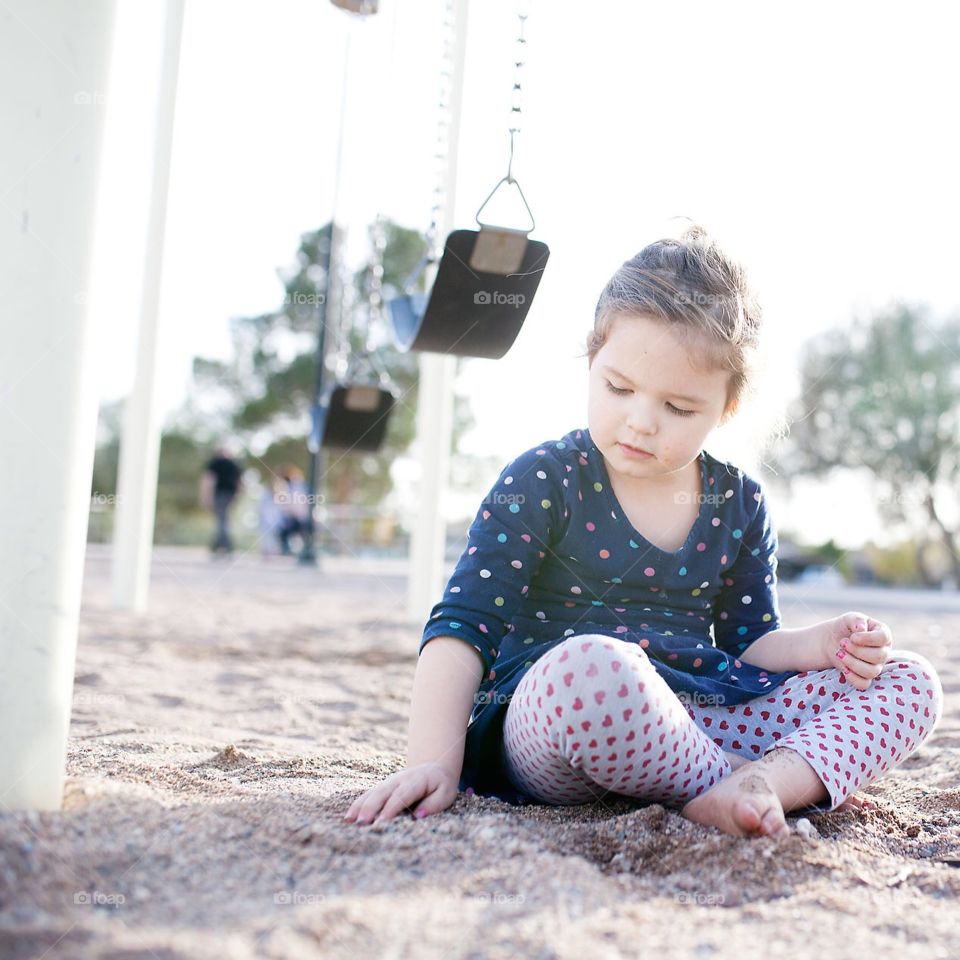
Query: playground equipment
x,y
354,411
486,280
50,420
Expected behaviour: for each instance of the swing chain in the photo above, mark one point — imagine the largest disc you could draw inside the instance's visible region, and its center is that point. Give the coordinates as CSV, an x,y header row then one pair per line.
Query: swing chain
x,y
443,125
516,114
375,306
516,93
341,354
378,242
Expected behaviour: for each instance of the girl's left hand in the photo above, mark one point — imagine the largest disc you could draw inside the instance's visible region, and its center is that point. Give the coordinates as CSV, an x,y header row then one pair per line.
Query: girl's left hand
x,y
858,646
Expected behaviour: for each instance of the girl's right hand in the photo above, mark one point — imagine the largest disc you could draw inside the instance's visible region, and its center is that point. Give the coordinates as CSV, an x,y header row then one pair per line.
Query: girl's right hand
x,y
858,646
431,783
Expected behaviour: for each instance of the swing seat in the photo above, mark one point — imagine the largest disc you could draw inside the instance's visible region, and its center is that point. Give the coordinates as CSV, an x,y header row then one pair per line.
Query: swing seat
x,y
406,311
470,312
352,416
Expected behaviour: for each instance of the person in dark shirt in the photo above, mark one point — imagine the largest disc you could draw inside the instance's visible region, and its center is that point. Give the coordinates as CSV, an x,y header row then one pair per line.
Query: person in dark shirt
x,y
220,485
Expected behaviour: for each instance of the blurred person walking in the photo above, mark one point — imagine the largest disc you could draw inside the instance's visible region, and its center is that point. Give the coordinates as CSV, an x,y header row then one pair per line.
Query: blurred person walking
x,y
219,486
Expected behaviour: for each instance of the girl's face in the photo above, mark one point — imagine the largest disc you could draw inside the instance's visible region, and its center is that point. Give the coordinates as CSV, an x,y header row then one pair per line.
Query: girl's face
x,y
644,395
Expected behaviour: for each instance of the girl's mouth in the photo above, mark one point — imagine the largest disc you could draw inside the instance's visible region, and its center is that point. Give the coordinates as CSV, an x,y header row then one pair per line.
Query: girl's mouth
x,y
634,451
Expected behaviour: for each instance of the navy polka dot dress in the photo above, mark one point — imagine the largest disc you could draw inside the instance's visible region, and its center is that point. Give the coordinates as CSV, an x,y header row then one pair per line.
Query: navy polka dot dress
x,y
551,554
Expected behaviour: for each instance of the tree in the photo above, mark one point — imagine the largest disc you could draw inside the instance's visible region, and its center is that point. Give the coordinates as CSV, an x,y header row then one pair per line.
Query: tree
x,y
884,395
262,394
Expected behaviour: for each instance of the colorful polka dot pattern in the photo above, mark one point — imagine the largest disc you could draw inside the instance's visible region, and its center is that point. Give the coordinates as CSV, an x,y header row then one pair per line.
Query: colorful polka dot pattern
x,y
594,717
551,554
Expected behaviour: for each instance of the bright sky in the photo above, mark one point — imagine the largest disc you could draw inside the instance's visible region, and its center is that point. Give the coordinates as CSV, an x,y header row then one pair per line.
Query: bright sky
x,y
816,142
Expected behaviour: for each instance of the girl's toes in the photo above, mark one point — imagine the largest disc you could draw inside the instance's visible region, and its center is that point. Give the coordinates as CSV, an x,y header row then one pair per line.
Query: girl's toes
x,y
747,816
774,824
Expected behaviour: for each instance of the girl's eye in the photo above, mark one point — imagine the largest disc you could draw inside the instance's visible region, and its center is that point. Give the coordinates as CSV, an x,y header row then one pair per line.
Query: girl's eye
x,y
620,391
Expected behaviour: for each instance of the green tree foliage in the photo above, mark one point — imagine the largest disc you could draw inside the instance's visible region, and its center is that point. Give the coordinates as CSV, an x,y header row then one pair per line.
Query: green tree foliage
x,y
885,395
263,393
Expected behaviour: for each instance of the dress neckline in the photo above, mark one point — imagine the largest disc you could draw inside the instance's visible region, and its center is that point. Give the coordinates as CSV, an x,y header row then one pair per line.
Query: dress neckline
x,y
614,502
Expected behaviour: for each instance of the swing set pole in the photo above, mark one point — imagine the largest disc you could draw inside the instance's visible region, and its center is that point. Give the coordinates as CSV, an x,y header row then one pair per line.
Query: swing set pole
x,y
140,440
437,379
48,373
308,552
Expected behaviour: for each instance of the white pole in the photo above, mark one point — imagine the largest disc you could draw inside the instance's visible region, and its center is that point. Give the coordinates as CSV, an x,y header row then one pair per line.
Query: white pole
x,y
435,401
54,65
140,444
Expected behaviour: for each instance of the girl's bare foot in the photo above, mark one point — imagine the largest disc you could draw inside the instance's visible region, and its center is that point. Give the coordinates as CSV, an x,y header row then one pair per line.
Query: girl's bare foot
x,y
743,804
752,800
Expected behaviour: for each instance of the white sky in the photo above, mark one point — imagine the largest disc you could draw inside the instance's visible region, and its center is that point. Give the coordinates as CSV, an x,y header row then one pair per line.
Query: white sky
x,y
819,143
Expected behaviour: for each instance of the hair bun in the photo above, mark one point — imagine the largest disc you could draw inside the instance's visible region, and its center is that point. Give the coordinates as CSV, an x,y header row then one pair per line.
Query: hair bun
x,y
695,231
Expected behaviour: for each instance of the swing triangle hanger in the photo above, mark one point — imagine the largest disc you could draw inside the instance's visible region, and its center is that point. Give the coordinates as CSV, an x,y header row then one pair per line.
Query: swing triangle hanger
x,y
509,180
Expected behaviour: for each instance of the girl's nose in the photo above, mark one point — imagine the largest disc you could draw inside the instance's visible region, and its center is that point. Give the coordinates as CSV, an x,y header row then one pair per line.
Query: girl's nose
x,y
641,419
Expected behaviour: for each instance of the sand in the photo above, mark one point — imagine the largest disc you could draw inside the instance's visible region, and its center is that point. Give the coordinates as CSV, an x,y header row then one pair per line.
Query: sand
x,y
216,742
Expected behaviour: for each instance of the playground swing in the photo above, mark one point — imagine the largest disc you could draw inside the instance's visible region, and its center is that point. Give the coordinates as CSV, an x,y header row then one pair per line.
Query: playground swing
x,y
354,411
486,279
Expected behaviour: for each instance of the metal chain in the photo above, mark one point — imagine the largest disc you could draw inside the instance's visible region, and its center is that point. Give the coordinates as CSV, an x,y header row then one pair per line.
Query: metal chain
x,y
374,284
367,358
443,124
516,92
344,303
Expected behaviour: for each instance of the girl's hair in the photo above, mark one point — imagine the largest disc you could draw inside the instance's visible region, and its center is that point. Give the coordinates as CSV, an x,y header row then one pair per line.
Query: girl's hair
x,y
702,294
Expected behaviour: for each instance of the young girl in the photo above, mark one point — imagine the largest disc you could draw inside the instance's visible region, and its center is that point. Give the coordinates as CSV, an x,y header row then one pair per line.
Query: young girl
x,y
617,599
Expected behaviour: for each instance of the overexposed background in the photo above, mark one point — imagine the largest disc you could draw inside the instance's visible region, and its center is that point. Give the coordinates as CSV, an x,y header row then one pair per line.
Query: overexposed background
x,y
818,143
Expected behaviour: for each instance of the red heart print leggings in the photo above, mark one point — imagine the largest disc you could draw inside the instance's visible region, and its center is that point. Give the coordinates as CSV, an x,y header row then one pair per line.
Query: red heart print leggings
x,y
592,716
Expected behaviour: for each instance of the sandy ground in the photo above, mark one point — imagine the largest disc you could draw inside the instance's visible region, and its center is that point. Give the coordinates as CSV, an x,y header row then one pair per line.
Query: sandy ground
x,y
216,742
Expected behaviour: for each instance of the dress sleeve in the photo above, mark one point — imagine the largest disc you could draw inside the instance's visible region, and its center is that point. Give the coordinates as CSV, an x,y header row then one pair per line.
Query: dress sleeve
x,y
746,607
518,520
